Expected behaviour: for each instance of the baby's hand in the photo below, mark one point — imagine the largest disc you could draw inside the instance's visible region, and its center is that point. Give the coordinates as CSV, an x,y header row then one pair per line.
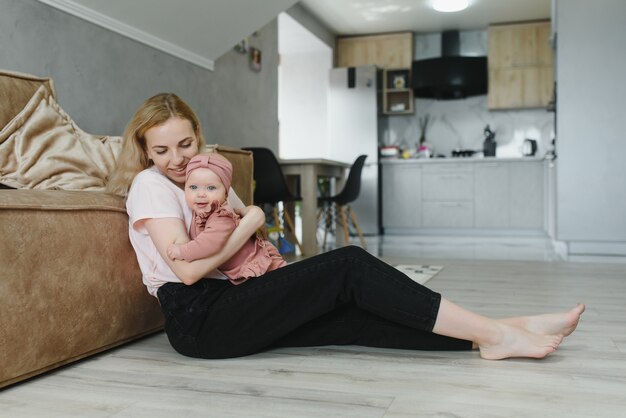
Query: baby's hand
x,y
173,252
201,218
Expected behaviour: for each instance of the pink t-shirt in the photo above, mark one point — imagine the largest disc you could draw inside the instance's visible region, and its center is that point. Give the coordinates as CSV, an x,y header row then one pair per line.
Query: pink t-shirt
x,y
153,195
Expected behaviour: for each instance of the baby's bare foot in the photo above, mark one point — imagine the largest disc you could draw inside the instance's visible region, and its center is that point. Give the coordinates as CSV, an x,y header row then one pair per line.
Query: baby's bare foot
x,y
563,323
512,341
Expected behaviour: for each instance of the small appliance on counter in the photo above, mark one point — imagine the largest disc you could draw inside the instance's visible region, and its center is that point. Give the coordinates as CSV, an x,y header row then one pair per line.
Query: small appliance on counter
x,y
463,153
489,146
529,147
389,151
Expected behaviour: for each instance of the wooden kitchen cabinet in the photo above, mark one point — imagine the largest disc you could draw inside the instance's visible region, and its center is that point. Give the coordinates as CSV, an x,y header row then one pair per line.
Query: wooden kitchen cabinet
x,y
394,50
397,91
520,65
393,53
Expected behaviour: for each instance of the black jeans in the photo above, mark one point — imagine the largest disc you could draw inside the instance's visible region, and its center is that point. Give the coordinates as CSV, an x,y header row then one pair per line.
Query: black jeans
x,y
346,296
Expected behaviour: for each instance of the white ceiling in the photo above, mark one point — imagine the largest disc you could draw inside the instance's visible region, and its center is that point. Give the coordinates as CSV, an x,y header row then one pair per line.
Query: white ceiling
x,y
200,31
352,17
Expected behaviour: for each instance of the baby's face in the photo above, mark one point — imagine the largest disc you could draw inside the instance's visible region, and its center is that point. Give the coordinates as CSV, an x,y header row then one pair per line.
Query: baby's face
x,y
203,187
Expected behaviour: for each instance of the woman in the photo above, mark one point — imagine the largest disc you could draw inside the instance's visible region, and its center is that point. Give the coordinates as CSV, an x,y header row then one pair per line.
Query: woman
x,y
345,296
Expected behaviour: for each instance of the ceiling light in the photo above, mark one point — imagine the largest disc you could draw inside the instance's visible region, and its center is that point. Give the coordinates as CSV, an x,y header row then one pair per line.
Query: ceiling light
x,y
450,5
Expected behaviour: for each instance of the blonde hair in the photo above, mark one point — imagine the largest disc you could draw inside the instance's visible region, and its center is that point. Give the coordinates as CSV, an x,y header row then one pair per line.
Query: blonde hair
x,y
133,156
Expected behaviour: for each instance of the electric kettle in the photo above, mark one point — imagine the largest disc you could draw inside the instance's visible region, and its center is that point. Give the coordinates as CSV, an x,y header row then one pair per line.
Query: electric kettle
x,y
529,147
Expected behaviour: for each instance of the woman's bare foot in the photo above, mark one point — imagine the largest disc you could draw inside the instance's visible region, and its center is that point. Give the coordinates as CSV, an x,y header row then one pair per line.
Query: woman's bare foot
x,y
512,341
563,323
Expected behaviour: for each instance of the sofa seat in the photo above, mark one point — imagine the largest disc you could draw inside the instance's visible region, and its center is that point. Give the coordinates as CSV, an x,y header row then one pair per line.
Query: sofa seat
x,y
70,284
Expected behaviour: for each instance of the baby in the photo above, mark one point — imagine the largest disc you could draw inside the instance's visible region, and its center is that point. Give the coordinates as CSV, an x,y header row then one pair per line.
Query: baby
x,y
208,179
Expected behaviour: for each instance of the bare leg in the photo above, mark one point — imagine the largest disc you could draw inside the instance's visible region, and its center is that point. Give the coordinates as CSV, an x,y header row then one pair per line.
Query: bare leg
x,y
495,340
563,323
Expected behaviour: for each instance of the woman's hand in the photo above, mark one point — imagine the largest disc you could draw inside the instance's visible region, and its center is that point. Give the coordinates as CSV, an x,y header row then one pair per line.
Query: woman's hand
x,y
246,209
254,216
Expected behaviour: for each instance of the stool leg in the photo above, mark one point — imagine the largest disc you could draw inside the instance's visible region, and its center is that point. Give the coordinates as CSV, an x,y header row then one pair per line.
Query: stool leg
x,y
276,222
320,212
325,209
293,230
336,223
275,214
358,230
344,222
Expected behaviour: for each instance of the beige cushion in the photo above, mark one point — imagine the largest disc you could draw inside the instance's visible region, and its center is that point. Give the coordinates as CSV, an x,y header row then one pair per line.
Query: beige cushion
x,y
42,148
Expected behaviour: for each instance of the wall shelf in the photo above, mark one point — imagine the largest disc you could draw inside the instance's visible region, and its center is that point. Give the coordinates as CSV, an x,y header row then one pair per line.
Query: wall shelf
x,y
397,94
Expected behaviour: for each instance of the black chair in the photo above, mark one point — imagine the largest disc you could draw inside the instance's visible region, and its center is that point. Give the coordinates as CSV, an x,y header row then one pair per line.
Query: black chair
x,y
341,203
270,186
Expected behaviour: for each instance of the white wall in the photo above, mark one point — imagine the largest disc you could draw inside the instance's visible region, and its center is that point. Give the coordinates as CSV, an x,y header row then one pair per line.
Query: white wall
x,y
303,81
302,89
591,144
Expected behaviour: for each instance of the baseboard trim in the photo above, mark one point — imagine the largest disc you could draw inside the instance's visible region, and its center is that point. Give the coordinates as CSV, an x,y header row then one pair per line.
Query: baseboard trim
x,y
597,248
471,232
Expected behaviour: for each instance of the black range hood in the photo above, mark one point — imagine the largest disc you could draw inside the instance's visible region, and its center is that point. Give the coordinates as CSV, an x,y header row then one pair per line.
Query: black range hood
x,y
451,76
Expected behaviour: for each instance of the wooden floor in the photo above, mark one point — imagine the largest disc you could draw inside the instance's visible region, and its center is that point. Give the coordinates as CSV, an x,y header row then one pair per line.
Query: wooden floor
x,y
586,377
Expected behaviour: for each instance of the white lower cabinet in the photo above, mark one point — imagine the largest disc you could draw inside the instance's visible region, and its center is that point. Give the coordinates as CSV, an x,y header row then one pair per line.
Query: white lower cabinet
x,y
448,214
448,182
491,195
526,188
402,195
483,195
448,193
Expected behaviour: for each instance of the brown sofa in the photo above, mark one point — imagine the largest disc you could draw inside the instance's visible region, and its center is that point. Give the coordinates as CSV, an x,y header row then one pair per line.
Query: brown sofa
x,y
70,285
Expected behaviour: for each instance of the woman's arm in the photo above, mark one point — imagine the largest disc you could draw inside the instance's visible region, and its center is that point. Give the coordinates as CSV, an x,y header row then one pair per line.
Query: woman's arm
x,y
208,241
166,231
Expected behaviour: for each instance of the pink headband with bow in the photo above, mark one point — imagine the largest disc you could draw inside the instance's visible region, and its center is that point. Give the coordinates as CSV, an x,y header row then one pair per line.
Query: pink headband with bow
x,y
214,162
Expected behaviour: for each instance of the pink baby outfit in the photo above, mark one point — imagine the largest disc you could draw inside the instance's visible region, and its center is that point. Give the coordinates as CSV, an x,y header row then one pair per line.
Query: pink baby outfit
x,y
209,232
255,258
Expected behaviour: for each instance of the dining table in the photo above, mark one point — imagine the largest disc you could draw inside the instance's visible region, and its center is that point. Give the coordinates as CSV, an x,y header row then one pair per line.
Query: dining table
x,y
305,173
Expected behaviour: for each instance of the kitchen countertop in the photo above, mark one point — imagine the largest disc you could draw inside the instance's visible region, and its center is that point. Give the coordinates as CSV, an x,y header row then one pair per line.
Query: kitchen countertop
x,y
456,160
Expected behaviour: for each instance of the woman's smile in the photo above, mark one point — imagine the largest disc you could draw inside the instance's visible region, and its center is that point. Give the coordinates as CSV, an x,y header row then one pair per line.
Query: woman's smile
x,y
179,171
170,146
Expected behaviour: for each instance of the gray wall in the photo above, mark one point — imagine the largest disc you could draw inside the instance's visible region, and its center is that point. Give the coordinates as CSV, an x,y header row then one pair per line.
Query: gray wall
x,y
101,77
313,24
591,144
243,107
